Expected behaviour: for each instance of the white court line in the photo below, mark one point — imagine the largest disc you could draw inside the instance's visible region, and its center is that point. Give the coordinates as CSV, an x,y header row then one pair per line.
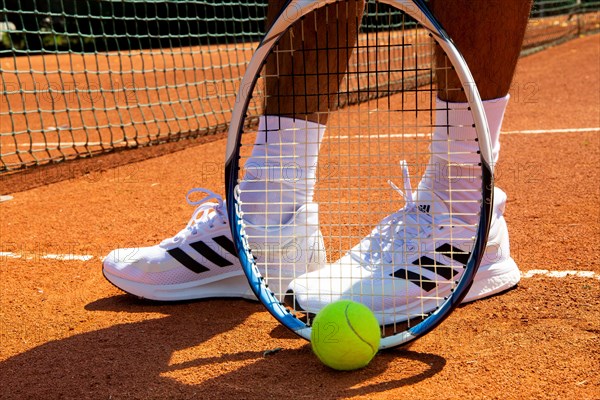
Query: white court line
x,y
394,135
527,274
521,132
67,145
560,274
58,257
68,257
9,255
566,130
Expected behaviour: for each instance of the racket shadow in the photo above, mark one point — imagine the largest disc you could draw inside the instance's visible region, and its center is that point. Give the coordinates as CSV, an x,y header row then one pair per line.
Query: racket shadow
x,y
403,366
131,358
391,369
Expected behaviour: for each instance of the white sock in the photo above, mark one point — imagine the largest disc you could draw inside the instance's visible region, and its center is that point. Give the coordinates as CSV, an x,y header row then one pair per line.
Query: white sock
x,y
280,175
453,141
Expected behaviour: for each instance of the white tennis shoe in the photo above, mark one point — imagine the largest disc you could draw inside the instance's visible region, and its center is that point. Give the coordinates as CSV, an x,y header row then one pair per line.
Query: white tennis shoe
x,y
201,262
387,273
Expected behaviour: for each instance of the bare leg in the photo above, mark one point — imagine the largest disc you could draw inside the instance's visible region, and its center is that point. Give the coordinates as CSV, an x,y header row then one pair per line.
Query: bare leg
x,y
489,34
302,81
306,83
491,52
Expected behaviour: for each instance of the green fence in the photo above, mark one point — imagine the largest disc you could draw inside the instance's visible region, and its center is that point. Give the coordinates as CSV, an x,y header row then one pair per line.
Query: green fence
x,y
86,77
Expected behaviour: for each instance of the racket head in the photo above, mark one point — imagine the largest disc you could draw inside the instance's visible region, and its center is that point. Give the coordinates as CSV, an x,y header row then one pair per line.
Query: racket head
x,y
409,21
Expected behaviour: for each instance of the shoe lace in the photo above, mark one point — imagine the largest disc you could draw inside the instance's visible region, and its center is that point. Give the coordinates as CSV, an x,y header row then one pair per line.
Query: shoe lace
x,y
206,213
396,229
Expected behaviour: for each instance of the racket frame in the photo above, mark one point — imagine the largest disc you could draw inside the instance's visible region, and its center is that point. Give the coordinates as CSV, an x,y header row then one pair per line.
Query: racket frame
x,y
290,14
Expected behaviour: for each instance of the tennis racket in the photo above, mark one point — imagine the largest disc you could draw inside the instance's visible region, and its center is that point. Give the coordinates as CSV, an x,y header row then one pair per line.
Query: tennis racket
x,y
354,84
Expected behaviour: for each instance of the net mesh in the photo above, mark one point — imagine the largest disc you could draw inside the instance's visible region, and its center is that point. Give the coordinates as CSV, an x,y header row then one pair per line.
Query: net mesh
x,y
81,78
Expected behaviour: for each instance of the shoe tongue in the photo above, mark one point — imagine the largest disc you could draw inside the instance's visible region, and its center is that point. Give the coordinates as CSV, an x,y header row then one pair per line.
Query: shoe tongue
x,y
429,203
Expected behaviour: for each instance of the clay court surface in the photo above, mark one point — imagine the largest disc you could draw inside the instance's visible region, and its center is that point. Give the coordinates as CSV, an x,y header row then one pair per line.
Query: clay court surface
x,y
67,333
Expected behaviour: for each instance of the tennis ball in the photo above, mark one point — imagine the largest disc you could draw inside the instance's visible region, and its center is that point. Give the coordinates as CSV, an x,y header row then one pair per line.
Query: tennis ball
x,y
345,335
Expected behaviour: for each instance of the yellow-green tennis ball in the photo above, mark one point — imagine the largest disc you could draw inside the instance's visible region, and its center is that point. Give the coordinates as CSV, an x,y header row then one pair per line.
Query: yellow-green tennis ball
x,y
345,335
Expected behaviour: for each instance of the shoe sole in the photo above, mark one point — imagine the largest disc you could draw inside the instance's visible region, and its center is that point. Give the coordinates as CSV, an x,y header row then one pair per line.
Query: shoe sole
x,y
231,287
491,279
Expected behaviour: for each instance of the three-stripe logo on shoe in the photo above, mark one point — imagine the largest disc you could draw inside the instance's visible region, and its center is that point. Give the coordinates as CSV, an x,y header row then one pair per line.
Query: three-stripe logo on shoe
x,y
424,208
205,251
443,270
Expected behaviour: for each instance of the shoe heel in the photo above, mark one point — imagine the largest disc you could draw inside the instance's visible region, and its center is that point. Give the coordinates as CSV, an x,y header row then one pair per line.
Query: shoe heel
x,y
493,279
317,255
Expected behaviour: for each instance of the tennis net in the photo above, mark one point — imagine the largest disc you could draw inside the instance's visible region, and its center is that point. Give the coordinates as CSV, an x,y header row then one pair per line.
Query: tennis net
x,y
81,78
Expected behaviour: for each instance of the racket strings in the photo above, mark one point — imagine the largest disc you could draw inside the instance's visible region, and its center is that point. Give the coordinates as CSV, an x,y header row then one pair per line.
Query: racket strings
x,y
378,111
